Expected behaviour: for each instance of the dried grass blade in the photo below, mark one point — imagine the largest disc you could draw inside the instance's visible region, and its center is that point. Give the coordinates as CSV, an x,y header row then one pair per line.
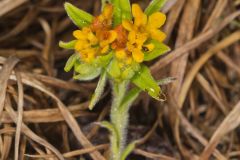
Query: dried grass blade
x,y
193,43
230,122
19,116
8,5
234,37
30,133
5,73
69,118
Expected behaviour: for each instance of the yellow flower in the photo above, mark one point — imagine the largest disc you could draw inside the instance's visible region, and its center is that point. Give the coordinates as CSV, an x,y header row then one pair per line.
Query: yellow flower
x,y
104,20
145,24
155,21
141,30
85,45
101,26
106,39
124,57
97,38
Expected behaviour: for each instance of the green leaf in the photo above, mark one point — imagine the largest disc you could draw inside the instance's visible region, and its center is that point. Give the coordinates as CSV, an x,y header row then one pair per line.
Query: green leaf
x,y
79,17
110,127
103,61
114,138
154,6
144,80
128,73
128,150
159,49
114,69
67,45
122,10
87,77
117,12
132,95
125,9
99,90
129,98
85,71
71,62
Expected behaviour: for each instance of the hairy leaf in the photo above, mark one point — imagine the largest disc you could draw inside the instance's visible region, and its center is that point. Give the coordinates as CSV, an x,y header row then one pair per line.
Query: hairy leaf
x,y
103,61
85,71
79,17
114,69
144,80
130,147
128,73
117,12
125,9
99,90
129,98
71,62
154,6
114,135
67,45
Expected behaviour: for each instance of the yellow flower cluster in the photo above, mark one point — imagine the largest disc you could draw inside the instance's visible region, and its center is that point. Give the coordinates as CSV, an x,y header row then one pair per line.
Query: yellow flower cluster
x,y
129,40
96,38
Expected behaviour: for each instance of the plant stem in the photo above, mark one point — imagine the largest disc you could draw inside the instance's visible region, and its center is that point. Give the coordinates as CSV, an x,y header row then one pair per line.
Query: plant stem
x,y
119,119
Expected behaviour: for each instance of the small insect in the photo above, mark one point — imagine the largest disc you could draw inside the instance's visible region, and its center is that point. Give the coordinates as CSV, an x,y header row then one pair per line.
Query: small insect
x,y
145,49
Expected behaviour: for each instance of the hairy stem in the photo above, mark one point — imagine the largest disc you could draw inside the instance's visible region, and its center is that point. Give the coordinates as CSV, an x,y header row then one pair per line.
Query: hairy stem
x,y
119,119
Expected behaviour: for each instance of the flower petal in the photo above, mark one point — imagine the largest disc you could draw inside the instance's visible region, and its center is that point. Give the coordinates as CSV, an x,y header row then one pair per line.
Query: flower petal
x,y
139,17
105,49
112,36
79,45
158,35
121,54
92,38
128,25
107,11
156,20
141,38
129,60
78,34
132,37
90,52
138,55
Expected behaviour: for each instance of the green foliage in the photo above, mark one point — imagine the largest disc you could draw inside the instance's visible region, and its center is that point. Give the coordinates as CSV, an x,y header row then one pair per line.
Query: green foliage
x,y
79,17
154,6
144,80
110,127
117,14
103,61
114,136
71,62
67,45
114,70
85,71
99,90
127,73
125,9
159,49
128,150
122,10
129,98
